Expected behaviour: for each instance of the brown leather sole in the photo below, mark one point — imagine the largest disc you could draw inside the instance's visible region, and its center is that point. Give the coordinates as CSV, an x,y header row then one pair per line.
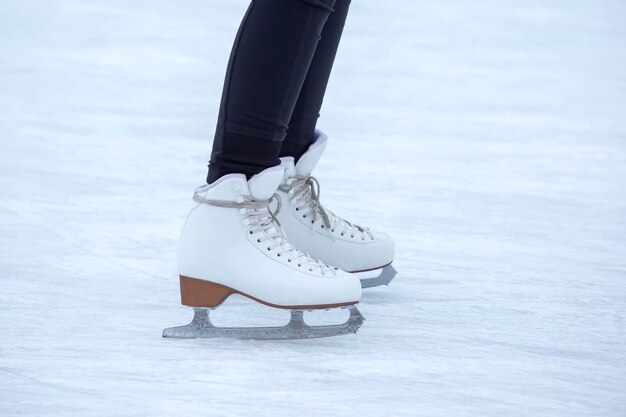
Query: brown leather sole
x,y
200,293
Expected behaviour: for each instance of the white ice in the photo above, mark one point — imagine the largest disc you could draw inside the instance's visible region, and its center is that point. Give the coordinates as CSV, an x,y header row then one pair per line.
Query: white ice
x,y
487,136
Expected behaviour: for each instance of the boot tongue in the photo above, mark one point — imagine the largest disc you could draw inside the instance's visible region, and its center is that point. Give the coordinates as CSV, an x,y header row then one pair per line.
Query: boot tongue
x,y
264,184
311,157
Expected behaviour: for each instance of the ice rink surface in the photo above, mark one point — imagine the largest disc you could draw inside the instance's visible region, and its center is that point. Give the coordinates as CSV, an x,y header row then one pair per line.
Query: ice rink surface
x,y
487,137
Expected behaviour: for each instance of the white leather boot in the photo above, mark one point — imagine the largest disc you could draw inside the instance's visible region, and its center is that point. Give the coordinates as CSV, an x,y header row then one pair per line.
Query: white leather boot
x,y
232,244
322,234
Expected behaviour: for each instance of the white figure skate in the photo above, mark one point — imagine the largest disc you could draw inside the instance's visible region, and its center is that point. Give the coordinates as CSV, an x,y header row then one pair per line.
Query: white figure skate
x,y
322,234
232,244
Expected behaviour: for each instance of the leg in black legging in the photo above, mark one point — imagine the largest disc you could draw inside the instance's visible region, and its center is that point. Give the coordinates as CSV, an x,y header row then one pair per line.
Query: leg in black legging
x,y
304,117
267,67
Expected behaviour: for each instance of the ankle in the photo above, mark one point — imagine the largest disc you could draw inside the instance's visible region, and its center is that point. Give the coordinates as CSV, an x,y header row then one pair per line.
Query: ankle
x,y
244,155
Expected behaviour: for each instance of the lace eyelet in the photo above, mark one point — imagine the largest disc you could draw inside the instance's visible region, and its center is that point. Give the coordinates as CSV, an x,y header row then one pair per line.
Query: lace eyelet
x,y
341,234
299,265
268,248
310,270
322,226
258,240
278,254
288,260
312,222
304,216
251,232
351,236
297,209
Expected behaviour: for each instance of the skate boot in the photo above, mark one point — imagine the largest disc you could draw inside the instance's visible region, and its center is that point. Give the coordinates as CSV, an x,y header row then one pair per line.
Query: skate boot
x,y
232,243
322,234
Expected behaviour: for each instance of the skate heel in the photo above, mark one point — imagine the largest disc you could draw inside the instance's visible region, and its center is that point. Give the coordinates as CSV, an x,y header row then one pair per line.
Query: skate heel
x,y
199,293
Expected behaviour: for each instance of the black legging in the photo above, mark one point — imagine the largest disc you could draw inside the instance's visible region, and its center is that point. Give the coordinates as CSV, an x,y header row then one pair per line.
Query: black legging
x,y
275,83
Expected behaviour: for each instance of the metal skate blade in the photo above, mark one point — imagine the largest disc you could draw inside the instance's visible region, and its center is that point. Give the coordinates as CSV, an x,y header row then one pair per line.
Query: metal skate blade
x,y
387,274
201,327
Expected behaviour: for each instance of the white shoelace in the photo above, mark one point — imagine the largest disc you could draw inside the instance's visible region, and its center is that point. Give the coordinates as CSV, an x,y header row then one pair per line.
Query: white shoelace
x,y
266,227
306,189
